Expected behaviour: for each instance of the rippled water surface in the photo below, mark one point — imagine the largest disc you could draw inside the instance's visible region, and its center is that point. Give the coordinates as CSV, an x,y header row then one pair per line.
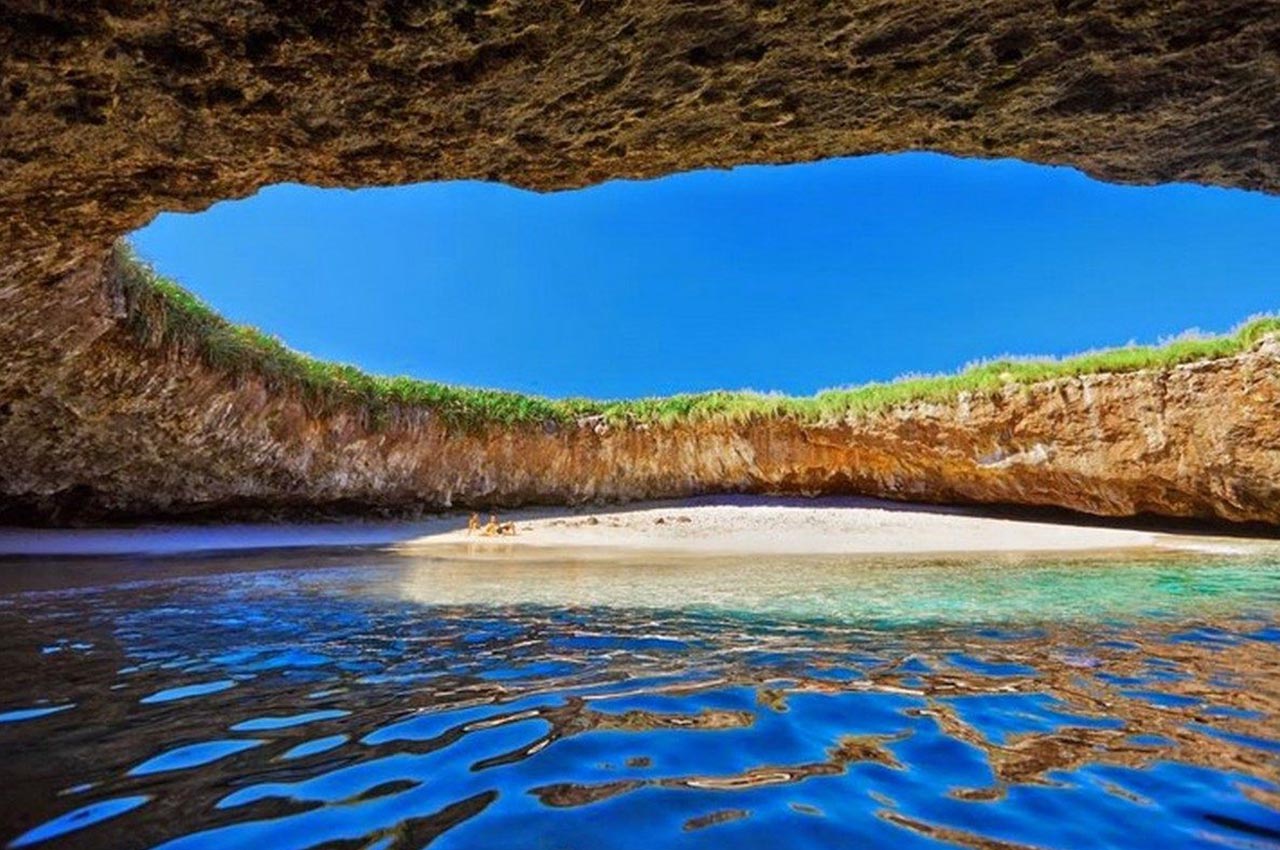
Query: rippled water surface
x,y
371,700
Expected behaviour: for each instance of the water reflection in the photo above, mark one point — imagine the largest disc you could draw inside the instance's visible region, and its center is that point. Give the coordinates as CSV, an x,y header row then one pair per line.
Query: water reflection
x,y
392,702
881,590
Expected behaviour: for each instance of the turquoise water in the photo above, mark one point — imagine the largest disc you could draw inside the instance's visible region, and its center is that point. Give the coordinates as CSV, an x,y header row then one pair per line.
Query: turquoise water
x,y
372,700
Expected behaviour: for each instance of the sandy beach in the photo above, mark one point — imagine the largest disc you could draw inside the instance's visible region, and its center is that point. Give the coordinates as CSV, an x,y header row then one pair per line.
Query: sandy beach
x,y
824,526
708,525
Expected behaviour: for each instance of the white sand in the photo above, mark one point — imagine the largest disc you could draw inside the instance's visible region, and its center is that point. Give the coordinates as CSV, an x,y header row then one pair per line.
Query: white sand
x,y
767,525
712,525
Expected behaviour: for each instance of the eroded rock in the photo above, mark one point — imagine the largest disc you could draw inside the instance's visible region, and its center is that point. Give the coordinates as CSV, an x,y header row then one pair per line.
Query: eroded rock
x,y
112,112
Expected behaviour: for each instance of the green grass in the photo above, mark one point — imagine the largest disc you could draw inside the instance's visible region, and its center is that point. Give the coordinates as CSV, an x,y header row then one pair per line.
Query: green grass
x,y
163,314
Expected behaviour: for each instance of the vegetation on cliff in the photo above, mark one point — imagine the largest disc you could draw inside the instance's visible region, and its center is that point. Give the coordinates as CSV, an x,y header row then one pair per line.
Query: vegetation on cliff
x,y
162,313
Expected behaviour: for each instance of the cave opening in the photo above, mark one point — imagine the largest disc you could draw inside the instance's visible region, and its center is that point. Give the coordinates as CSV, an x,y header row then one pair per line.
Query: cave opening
x,y
786,278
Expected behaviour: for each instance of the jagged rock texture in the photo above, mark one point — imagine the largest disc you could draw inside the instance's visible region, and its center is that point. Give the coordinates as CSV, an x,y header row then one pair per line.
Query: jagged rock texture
x,y
111,112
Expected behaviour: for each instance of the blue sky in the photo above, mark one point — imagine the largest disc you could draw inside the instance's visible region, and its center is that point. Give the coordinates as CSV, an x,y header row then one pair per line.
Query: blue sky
x,y
789,278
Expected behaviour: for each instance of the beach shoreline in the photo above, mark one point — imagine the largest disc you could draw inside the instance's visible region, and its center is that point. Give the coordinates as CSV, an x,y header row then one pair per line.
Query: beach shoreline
x,y
763,525
719,525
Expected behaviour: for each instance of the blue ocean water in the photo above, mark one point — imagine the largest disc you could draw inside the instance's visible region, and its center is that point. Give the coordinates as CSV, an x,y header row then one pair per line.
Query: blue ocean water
x,y
371,700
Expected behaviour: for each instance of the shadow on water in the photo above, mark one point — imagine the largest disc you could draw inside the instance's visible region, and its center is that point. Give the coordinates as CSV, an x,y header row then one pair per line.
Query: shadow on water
x,y
369,700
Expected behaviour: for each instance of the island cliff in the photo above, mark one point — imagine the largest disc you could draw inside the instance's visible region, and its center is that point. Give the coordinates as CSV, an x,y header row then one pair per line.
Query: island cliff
x,y
110,113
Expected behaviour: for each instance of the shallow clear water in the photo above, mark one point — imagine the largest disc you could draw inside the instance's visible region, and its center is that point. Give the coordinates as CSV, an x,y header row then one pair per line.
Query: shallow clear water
x,y
369,700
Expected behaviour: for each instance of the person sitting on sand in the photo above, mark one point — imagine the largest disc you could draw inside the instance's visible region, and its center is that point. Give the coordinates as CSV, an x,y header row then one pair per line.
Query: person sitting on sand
x,y
491,528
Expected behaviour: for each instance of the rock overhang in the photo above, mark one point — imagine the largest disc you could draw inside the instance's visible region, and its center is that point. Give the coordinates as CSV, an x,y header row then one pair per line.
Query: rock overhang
x,y
113,112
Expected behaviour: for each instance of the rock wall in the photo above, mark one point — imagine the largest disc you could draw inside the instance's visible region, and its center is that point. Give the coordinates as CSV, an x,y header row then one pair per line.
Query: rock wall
x,y
111,112
121,430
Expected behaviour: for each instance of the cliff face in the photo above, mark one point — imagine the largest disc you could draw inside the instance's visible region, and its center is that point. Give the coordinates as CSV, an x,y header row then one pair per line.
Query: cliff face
x,y
111,112
117,429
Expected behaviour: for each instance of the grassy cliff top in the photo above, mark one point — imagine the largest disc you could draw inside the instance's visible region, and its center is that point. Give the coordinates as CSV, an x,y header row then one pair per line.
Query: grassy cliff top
x,y
163,313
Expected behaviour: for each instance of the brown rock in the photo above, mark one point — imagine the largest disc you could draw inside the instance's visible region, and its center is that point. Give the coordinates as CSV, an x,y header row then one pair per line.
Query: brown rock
x,y
110,113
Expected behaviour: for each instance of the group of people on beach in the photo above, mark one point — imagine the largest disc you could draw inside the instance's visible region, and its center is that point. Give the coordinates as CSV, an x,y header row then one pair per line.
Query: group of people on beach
x,y
492,528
